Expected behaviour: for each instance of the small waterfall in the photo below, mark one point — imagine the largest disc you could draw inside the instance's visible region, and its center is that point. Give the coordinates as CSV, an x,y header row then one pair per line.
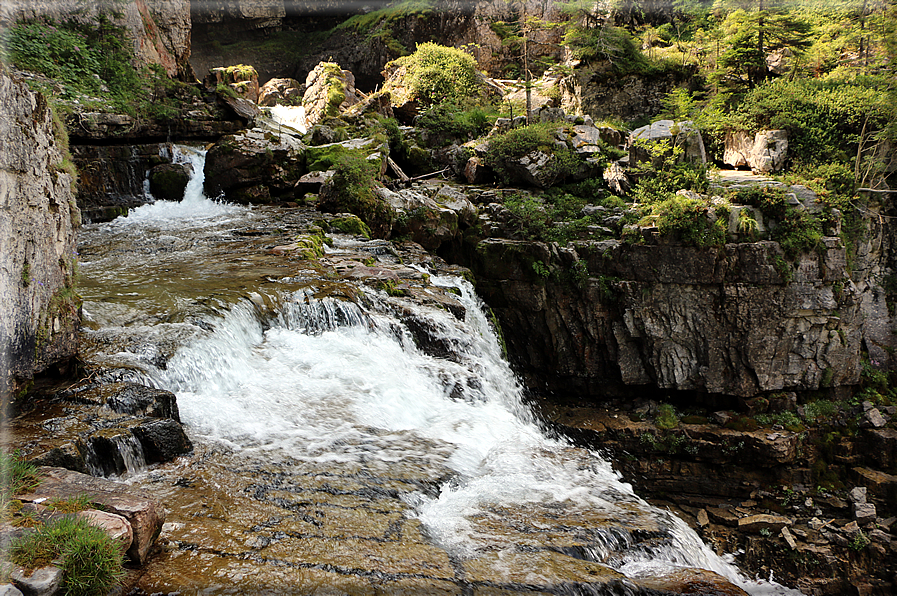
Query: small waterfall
x,y
120,454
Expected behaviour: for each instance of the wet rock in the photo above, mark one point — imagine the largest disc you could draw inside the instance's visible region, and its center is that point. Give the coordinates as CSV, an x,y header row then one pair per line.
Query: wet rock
x,y
256,158
45,581
168,180
140,400
144,514
162,440
691,581
283,92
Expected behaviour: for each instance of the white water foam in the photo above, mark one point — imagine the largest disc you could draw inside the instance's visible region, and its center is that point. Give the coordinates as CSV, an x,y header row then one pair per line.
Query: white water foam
x,y
329,382
195,208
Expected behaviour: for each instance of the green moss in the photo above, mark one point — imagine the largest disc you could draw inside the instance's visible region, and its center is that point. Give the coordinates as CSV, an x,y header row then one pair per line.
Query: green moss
x,y
666,417
351,225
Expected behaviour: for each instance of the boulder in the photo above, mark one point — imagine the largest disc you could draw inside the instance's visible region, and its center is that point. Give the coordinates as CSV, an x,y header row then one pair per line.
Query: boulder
x,y
329,90
764,152
169,180
426,221
115,526
162,439
242,79
45,581
755,523
144,513
679,133
367,203
253,158
283,92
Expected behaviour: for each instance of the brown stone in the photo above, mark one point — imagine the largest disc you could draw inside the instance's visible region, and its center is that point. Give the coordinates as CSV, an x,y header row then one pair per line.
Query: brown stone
x,y
755,523
116,526
144,513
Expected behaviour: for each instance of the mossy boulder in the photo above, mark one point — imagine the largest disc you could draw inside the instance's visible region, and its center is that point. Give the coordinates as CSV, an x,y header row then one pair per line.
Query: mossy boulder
x,y
350,224
329,90
169,180
242,79
354,189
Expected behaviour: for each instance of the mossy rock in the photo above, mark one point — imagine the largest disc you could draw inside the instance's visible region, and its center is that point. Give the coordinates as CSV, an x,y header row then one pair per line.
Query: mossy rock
x,y
169,180
351,224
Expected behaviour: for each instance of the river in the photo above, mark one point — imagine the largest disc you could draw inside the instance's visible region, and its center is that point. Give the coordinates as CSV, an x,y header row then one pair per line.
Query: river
x,y
333,452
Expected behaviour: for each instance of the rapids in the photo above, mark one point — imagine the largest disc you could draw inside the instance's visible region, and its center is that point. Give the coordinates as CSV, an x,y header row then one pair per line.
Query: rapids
x,y
333,450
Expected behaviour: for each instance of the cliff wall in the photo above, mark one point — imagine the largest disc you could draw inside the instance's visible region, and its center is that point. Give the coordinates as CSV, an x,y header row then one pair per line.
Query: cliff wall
x,y
159,29
739,321
39,315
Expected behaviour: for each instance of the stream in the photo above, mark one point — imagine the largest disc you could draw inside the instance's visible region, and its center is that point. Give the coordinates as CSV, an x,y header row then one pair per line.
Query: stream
x,y
334,454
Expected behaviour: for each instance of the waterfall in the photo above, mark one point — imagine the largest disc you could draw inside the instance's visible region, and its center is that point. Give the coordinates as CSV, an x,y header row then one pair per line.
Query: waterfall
x,y
274,370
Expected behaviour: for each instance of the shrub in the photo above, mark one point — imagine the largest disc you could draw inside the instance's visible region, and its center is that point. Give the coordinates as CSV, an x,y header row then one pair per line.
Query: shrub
x,y
450,118
437,73
518,142
688,219
352,190
91,560
666,417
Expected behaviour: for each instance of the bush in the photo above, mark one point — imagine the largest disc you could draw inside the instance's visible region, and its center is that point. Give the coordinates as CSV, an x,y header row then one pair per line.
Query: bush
x,y
519,142
667,172
91,560
437,73
823,117
352,190
451,119
687,219
666,418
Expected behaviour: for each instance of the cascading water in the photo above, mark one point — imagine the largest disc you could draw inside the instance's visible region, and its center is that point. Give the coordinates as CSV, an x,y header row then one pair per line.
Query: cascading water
x,y
314,387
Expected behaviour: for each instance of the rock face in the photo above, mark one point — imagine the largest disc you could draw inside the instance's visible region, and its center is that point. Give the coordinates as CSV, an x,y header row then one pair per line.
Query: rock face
x,y
733,322
40,314
678,133
600,94
159,29
764,152
168,180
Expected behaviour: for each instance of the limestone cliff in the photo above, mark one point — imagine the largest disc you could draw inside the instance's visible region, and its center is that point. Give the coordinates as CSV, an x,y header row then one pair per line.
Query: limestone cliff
x,y
159,29
599,318
39,314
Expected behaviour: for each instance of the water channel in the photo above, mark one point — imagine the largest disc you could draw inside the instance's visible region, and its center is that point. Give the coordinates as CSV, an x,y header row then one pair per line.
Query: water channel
x,y
335,455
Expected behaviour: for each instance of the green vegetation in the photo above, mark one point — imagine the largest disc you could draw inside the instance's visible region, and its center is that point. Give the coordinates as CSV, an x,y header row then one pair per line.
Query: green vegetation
x,y
666,417
351,225
91,560
93,64
72,504
519,142
352,191
437,73
378,23
460,121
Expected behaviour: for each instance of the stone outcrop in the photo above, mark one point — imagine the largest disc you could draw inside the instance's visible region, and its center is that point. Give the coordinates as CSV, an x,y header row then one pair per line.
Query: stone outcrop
x,y
168,180
596,91
284,92
40,314
675,317
143,513
329,90
765,152
254,166
159,29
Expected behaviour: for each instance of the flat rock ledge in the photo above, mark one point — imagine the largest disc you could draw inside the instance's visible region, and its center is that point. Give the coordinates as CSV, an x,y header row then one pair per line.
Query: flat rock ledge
x,y
142,513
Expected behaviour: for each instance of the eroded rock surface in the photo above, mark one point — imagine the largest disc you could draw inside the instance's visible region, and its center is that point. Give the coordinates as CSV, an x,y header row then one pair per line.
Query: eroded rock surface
x,y
40,313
